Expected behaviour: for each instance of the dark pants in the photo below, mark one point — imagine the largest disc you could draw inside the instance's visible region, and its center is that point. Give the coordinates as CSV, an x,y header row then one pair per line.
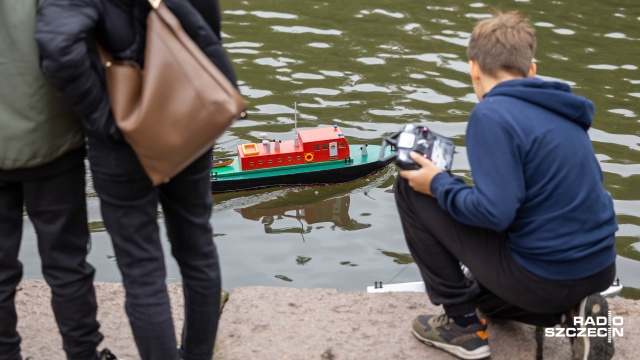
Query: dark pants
x,y
129,205
56,206
502,288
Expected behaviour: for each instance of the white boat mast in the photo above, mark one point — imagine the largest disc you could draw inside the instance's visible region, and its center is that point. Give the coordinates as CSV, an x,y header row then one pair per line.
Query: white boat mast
x,y
296,142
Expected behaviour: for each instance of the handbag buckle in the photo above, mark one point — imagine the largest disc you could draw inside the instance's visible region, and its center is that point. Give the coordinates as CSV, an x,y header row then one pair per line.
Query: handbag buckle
x,y
155,3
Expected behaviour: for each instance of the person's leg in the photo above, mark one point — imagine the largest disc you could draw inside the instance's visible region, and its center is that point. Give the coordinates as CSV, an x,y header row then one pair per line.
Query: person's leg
x,y
129,205
186,203
10,267
57,207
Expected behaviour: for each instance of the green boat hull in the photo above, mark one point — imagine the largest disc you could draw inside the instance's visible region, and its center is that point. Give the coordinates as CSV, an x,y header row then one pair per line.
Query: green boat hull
x,y
232,178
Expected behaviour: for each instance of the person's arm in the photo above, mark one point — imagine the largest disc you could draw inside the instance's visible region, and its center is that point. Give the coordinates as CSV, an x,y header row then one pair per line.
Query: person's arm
x,y
495,157
210,11
202,33
63,34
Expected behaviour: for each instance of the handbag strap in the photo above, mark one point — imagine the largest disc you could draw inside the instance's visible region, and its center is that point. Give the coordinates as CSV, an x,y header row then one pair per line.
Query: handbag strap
x,y
155,3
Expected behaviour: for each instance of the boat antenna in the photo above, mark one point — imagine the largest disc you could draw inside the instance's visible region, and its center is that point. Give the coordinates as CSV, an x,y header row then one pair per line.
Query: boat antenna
x,y
400,272
296,142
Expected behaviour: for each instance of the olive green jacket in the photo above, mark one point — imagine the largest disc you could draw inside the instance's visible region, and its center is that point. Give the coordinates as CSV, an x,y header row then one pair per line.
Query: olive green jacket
x,y
35,126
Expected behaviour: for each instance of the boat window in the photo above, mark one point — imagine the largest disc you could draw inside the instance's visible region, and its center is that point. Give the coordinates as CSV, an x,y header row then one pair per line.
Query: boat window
x,y
341,145
325,146
260,162
299,157
316,147
289,158
251,163
270,161
279,159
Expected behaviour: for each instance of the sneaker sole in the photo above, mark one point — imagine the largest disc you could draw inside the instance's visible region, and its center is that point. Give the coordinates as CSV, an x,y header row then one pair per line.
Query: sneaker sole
x,y
479,353
596,348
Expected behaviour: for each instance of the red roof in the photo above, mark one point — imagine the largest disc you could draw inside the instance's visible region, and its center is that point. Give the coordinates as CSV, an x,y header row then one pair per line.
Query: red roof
x,y
319,134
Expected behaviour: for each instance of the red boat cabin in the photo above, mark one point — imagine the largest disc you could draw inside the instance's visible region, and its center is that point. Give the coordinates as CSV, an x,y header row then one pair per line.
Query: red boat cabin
x,y
315,145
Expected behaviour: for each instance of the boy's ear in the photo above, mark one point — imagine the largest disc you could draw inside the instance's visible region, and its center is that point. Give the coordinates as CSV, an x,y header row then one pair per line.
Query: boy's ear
x,y
532,70
474,71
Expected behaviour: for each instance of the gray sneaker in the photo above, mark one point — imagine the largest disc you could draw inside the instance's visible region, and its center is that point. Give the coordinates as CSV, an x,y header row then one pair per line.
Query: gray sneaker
x,y
442,332
592,348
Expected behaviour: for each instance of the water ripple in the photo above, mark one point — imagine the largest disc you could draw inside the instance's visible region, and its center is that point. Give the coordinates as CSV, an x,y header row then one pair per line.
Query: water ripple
x,y
396,15
320,91
632,141
273,109
398,111
453,40
305,30
544,24
335,104
366,88
275,62
307,76
564,31
478,16
623,112
242,44
437,58
603,67
254,93
428,95
371,61
624,170
453,83
627,207
332,73
319,45
243,51
616,35
273,15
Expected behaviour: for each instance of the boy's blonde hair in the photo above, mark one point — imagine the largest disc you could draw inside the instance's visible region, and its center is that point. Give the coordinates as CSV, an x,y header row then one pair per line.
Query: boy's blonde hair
x,y
503,43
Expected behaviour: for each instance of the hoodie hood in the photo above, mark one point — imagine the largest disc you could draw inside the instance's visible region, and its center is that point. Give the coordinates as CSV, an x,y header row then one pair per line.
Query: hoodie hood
x,y
551,95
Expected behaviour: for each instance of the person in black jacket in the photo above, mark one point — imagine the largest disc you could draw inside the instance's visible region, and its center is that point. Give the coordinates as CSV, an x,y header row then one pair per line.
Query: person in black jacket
x,y
67,34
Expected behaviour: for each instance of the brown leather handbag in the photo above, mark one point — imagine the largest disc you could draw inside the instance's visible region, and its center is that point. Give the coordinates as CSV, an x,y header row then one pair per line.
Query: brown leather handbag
x,y
174,110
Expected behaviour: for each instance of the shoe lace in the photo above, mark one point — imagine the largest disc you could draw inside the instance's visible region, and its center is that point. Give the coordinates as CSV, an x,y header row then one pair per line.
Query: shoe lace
x,y
441,320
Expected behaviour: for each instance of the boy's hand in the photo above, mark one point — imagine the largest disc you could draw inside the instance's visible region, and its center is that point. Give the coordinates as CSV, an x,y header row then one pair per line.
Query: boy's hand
x,y
420,180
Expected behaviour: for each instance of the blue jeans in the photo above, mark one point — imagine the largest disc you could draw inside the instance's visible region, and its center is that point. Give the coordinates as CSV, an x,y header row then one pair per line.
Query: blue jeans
x,y
129,205
56,206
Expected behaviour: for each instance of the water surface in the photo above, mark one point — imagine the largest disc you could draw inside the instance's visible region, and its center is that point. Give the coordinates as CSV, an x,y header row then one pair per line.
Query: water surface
x,y
370,67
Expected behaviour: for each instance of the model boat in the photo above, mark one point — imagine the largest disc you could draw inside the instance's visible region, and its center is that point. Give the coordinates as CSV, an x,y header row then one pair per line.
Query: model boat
x,y
314,156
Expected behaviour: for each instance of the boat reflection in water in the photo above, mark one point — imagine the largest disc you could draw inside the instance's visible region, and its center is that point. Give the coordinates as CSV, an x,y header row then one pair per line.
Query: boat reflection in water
x,y
333,210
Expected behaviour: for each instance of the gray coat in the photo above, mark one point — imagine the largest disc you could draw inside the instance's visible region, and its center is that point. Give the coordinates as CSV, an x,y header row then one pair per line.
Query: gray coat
x,y
36,127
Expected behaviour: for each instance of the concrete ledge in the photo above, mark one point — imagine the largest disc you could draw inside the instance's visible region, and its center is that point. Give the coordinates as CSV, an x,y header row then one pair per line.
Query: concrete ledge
x,y
287,323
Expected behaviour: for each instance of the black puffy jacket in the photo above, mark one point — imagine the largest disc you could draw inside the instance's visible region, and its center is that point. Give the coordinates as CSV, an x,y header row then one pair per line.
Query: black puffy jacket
x,y
68,31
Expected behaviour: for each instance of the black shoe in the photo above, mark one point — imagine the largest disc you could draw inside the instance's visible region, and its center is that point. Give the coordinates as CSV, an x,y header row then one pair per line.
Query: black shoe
x,y
592,348
105,354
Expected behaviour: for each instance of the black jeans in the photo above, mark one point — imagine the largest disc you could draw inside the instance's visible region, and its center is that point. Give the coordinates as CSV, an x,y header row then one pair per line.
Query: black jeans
x,y
502,288
56,205
129,205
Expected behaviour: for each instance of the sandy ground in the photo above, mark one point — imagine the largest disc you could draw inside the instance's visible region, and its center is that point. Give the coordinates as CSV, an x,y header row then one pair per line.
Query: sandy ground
x,y
287,323
40,337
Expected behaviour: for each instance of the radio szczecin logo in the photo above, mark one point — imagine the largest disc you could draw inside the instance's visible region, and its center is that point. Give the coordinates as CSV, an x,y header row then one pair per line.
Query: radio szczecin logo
x,y
591,326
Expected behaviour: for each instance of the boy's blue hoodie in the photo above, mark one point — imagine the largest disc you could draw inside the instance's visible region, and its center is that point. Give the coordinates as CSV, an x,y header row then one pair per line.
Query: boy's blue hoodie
x,y
537,178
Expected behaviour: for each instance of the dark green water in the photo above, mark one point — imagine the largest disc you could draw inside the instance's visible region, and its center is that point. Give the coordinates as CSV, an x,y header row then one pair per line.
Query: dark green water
x,y
371,66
